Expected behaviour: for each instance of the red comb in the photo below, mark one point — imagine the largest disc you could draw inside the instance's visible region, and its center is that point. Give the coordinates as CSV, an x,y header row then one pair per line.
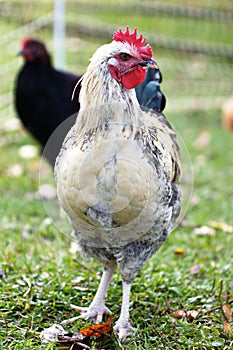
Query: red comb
x,y
131,38
25,41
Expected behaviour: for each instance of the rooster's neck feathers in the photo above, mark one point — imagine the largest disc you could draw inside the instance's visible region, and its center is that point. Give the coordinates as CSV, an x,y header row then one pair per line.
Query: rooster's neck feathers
x,y
98,86
100,91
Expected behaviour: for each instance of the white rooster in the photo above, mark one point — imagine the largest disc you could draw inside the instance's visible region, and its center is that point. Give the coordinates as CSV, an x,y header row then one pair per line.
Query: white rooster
x,y
117,170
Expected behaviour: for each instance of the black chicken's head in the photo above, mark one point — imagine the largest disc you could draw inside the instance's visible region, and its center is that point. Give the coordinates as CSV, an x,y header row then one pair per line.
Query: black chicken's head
x,y
34,50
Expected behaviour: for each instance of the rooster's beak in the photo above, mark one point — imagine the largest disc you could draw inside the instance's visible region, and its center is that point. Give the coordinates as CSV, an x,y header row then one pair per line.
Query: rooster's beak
x,y
20,52
148,63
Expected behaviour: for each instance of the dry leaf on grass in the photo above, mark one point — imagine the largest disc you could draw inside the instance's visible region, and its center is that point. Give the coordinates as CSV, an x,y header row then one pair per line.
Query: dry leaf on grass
x,y
190,315
11,124
97,330
15,170
227,312
227,328
74,248
28,151
165,311
35,166
46,191
195,270
52,333
57,333
179,314
204,231
195,200
203,139
200,161
70,342
221,226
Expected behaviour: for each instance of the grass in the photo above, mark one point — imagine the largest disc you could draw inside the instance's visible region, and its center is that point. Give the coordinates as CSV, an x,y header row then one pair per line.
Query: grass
x,y
42,278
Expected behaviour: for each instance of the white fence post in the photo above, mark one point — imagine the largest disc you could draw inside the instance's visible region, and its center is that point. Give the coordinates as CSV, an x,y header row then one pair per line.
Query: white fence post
x,y
59,33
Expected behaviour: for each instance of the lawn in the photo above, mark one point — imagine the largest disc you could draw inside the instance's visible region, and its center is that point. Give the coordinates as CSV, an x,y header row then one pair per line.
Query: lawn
x,y
183,297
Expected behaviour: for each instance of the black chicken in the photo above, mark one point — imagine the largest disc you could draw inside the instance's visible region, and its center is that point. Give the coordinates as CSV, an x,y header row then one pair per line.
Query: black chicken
x,y
43,97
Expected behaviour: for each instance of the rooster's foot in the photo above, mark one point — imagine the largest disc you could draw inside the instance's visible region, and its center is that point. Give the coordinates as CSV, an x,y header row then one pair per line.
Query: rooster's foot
x,y
122,329
94,312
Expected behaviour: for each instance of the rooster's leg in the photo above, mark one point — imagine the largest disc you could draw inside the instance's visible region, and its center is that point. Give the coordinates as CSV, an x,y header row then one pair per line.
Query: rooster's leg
x,y
122,326
97,308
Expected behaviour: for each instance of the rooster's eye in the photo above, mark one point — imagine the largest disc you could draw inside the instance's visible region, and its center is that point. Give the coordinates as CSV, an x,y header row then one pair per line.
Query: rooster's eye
x,y
124,56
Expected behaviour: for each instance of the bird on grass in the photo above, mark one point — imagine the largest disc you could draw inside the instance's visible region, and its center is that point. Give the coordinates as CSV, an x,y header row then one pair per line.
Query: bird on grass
x,y
117,171
43,97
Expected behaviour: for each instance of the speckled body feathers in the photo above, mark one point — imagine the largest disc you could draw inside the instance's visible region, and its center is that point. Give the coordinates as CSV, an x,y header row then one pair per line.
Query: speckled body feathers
x,y
116,173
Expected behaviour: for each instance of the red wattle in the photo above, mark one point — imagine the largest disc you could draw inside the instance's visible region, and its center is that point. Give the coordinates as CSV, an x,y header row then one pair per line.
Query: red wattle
x,y
132,79
114,72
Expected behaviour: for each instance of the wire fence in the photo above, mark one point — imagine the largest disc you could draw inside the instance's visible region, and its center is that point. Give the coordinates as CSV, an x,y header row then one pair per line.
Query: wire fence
x,y
28,28
199,73
156,8
95,29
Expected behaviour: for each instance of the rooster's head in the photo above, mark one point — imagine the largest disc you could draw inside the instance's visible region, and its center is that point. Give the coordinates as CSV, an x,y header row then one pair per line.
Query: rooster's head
x,y
130,58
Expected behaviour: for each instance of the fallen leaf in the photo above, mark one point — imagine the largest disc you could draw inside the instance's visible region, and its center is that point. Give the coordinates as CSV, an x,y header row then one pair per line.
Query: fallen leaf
x,y
74,248
195,270
227,328
203,139
15,170
47,221
200,161
142,295
204,231
71,341
11,124
57,333
227,312
81,289
221,226
192,314
180,251
97,330
183,222
195,200
179,314
46,191
35,166
165,311
28,151
77,280
51,334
